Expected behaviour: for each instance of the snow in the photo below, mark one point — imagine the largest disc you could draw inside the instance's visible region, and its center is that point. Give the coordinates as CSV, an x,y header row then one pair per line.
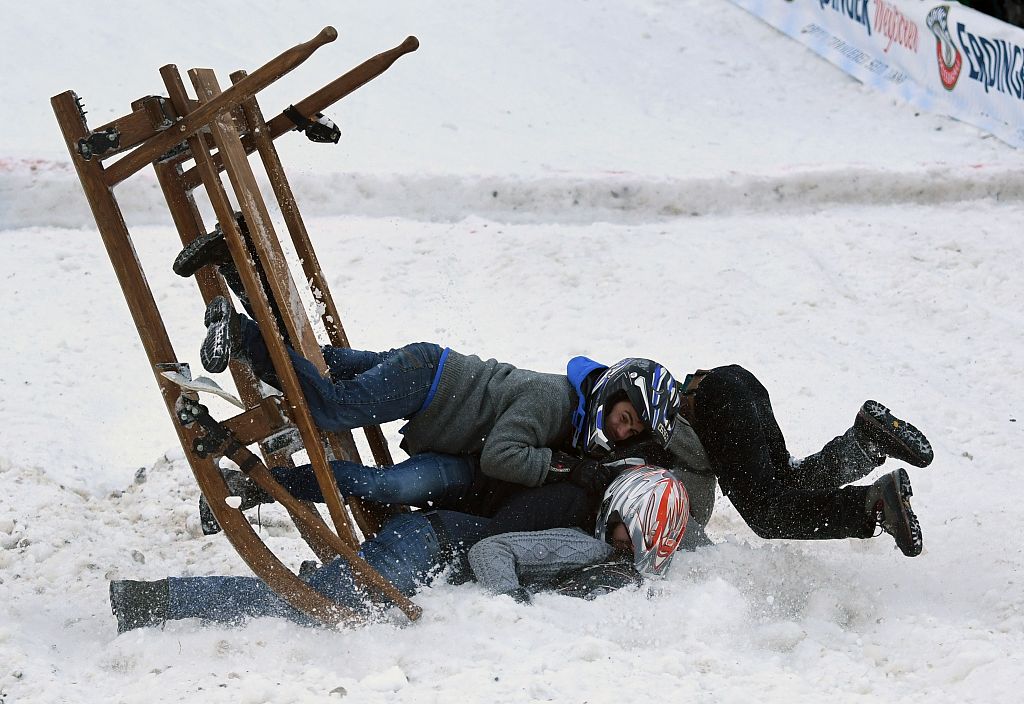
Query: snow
x,y
665,179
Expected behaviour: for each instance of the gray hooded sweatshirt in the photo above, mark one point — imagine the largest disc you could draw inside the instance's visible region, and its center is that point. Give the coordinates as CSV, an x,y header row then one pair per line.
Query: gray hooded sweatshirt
x,y
510,417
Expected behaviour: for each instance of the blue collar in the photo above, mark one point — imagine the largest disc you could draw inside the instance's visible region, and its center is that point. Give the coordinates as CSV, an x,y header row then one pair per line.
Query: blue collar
x,y
578,369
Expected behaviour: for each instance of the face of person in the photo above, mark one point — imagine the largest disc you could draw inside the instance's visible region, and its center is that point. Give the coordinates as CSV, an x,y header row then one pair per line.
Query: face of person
x,y
620,538
622,422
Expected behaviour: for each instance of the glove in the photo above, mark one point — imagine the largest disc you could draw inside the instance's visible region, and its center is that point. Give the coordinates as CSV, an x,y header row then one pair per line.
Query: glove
x,y
522,595
560,467
590,475
595,580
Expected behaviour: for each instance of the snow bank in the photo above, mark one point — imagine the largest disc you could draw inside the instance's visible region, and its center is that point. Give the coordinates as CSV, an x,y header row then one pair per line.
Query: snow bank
x,y
45,194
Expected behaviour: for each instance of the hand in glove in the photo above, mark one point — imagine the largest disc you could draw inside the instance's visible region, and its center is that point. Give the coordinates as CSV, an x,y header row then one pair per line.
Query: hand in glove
x,y
588,474
522,595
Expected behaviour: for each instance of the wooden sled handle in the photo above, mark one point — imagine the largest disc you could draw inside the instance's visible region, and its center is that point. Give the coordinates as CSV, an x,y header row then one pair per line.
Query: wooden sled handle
x,y
343,85
190,124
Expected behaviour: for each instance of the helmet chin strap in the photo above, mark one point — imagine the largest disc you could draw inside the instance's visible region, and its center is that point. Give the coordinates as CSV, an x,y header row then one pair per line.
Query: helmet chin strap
x,y
602,441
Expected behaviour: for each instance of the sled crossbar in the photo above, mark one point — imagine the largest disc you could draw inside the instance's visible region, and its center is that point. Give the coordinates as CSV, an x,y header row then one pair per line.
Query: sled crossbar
x,y
217,130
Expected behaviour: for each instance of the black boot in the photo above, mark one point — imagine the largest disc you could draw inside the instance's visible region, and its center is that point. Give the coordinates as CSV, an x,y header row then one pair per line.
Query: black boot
x,y
888,505
223,335
210,248
881,433
138,604
250,493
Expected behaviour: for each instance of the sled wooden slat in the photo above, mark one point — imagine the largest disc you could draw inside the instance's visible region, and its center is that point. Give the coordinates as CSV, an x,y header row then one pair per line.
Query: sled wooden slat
x,y
363,572
157,344
262,77
250,202
323,98
216,131
272,259
150,116
369,517
244,378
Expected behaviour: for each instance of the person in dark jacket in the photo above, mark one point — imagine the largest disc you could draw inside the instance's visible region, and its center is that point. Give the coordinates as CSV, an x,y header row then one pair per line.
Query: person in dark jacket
x,y
779,497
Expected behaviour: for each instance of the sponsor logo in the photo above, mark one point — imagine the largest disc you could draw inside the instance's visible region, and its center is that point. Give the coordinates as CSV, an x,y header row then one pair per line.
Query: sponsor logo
x,y
995,63
948,56
856,10
895,26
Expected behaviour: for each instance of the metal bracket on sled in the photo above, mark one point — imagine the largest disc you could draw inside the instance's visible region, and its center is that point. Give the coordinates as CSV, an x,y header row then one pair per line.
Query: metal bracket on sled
x,y
99,143
218,439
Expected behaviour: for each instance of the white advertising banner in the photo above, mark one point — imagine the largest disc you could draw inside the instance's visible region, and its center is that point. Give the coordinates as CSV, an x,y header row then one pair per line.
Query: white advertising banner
x,y
942,57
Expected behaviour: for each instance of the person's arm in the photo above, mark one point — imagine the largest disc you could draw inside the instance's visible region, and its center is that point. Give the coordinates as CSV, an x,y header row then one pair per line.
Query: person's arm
x,y
502,563
561,505
517,446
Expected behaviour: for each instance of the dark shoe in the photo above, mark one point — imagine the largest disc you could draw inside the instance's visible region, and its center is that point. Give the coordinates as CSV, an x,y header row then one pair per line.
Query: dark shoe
x,y
223,335
138,604
888,505
251,494
287,440
210,248
884,434
307,568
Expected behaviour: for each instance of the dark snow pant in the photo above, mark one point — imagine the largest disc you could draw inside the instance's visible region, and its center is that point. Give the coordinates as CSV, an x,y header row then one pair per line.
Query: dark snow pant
x,y
736,426
409,551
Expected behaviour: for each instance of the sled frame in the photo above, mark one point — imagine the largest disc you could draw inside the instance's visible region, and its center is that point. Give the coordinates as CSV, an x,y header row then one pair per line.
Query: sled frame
x,y
216,132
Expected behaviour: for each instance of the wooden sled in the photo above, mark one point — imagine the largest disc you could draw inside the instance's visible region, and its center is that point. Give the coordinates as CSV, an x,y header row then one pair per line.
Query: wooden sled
x,y
190,141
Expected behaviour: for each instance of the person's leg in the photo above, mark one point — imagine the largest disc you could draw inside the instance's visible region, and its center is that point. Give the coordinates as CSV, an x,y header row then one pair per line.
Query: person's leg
x,y
412,548
231,599
841,461
422,480
876,435
425,480
395,387
737,427
409,551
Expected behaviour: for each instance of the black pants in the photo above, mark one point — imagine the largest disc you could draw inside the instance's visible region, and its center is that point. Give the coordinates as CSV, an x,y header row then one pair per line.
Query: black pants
x,y
736,425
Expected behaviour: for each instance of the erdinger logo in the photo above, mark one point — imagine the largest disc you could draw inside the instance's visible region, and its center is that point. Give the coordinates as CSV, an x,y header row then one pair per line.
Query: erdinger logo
x,y
948,56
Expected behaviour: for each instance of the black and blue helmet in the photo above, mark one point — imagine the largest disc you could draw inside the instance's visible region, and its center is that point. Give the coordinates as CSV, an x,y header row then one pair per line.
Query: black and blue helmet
x,y
651,389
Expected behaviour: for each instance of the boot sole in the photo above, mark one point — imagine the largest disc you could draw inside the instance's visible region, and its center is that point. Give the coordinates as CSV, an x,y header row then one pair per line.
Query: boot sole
x,y
908,537
210,248
215,352
207,521
218,309
899,439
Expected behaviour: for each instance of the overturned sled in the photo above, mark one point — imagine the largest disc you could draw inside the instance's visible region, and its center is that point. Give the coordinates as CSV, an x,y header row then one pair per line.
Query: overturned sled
x,y
190,141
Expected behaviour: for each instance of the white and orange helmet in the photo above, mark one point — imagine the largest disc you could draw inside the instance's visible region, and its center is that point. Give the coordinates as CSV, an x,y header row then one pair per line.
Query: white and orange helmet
x,y
655,508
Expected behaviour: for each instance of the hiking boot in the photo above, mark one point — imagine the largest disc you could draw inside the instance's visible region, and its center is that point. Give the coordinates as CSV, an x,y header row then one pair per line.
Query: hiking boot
x,y
211,248
223,335
882,435
307,568
888,505
251,494
138,604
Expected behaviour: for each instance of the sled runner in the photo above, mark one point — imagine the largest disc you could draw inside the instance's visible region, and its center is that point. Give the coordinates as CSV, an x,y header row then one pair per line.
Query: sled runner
x,y
189,141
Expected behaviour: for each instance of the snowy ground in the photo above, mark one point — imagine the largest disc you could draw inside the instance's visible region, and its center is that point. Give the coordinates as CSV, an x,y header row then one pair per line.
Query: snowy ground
x,y
831,240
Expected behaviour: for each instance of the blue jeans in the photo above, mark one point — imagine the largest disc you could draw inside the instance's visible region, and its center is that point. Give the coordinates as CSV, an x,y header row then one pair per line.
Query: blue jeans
x,y
365,388
409,551
424,480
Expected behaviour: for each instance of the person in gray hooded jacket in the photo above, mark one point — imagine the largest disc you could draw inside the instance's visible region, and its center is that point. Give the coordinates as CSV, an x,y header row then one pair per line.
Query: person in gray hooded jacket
x,y
464,413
